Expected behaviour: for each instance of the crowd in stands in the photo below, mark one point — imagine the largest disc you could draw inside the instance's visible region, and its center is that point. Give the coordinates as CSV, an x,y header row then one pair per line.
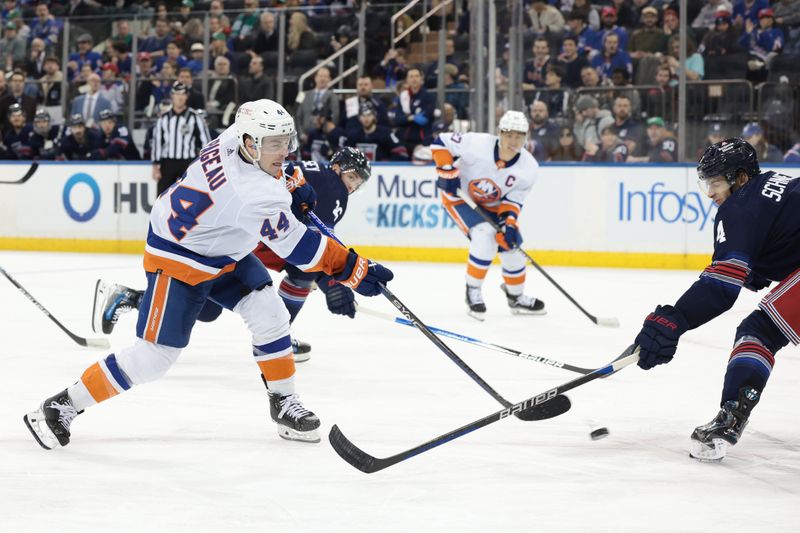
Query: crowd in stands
x,y
598,79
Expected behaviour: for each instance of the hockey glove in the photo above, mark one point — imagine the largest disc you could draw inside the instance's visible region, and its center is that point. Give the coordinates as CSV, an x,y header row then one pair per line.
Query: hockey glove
x,y
448,180
659,336
756,282
340,299
509,236
304,197
363,276
420,119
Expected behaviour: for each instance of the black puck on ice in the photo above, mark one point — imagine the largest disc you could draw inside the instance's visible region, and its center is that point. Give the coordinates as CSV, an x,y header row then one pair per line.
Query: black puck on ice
x,y
599,433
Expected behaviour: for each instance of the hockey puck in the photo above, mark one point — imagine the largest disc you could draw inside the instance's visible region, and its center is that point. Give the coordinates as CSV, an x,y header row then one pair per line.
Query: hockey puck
x,y
599,433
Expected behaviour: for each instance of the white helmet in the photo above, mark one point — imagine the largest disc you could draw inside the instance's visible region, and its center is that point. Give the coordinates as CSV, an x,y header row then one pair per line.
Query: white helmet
x,y
513,121
264,118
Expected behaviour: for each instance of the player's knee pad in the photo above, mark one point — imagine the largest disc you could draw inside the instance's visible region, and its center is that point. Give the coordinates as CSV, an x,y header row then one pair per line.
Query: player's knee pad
x,y
265,315
759,325
145,361
482,243
512,261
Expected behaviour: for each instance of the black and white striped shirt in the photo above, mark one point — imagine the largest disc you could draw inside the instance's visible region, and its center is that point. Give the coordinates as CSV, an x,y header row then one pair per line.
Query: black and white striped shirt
x,y
179,135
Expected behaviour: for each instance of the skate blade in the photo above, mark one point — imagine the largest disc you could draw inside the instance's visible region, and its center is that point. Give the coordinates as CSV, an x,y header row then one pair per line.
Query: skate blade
x,y
302,357
708,454
48,442
517,311
299,436
476,315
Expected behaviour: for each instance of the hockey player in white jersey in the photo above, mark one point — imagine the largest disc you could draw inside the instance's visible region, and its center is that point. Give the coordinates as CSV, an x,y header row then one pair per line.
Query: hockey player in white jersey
x,y
497,173
202,231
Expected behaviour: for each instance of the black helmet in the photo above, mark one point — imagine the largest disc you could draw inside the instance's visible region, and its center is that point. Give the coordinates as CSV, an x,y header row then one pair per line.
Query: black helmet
x,y
76,119
349,158
727,158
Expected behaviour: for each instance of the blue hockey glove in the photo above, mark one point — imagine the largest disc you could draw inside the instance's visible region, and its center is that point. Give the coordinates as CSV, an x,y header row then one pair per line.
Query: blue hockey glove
x,y
304,198
340,299
448,179
509,236
659,336
756,282
363,275
420,119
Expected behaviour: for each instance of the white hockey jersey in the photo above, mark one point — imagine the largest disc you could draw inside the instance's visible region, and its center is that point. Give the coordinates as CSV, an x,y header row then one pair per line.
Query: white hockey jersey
x,y
494,184
216,214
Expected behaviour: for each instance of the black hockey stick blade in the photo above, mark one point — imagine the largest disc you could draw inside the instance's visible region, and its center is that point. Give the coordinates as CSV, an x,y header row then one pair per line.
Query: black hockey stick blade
x,y
367,463
551,409
28,175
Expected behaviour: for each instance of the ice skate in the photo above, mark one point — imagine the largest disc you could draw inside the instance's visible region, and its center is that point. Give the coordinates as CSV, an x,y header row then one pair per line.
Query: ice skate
x,y
294,421
49,424
522,304
474,299
710,442
111,301
302,351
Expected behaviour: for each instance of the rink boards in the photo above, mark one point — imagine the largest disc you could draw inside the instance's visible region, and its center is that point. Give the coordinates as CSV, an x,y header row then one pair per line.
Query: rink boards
x,y
602,215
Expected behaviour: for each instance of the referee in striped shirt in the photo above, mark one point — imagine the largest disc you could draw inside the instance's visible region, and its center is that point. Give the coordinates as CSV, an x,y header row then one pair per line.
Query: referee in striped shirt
x,y
178,136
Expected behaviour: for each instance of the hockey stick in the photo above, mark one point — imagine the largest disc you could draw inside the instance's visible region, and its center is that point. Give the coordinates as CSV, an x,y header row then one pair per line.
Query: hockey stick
x,y
607,322
470,340
83,341
369,464
560,406
28,175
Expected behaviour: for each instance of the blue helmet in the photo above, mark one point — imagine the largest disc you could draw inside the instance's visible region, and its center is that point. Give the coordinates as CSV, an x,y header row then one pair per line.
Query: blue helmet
x,y
727,158
350,158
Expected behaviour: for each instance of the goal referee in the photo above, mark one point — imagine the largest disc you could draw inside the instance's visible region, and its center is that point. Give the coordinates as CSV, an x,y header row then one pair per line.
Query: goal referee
x,y
178,136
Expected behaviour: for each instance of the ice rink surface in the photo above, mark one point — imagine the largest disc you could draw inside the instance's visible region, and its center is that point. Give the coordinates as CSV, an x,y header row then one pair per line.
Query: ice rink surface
x,y
196,451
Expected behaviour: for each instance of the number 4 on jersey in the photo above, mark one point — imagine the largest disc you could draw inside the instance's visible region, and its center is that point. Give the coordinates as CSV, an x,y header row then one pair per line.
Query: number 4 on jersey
x,y
187,206
270,233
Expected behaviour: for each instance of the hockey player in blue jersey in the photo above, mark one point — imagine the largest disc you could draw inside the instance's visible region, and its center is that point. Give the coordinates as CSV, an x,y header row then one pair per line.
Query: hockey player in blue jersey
x,y
329,188
756,242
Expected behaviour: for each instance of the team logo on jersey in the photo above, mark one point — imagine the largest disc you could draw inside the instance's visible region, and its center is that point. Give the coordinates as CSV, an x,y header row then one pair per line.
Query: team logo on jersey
x,y
484,190
720,233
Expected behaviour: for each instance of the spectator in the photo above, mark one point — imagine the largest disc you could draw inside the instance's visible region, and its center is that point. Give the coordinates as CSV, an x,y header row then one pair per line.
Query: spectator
x,y
571,62
120,56
12,47
608,15
585,37
762,43
744,10
79,141
721,40
792,155
156,44
627,129
145,78
196,100
266,39
196,63
377,142
554,96
219,48
321,97
695,64
534,73
611,149
590,120
649,39
45,137
35,64
45,27
627,16
612,58
672,25
393,67
173,55
413,112
661,101
716,133
787,15
300,35
91,103
122,34
460,99
567,149
244,26
84,55
184,16
222,92
49,91
17,134
449,122
324,137
115,142
353,104
432,69
587,12
162,84
23,30
16,95
3,86
707,16
543,133
767,153
661,145
545,19
256,84
590,79
622,84
111,88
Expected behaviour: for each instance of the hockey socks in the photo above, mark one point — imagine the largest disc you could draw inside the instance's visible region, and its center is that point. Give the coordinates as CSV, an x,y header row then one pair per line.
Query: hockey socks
x,y
294,296
750,365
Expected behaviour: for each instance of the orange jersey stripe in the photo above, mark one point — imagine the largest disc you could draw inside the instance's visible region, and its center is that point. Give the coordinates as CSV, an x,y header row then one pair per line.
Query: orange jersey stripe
x,y
98,384
181,271
156,315
333,259
277,369
506,207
